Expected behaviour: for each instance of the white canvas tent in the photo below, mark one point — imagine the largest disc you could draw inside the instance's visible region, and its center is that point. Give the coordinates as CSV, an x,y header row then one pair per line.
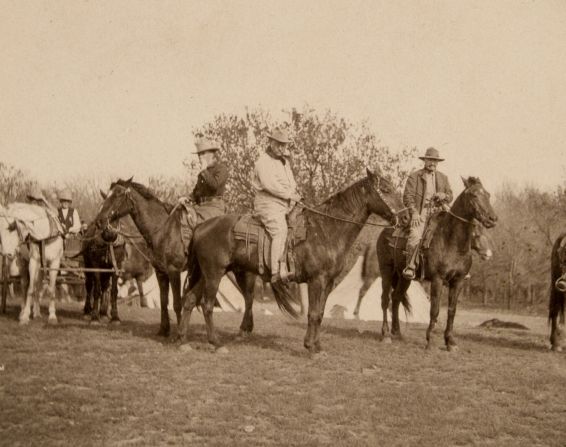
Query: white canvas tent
x,y
342,301
229,297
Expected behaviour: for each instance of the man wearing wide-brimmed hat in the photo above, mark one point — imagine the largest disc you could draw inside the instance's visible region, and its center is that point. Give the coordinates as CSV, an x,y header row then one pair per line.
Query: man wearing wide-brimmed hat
x,y
68,216
424,187
207,195
275,195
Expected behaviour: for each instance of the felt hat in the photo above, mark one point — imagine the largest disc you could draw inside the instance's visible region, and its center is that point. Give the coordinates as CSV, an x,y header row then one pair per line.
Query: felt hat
x,y
279,135
205,145
431,154
65,195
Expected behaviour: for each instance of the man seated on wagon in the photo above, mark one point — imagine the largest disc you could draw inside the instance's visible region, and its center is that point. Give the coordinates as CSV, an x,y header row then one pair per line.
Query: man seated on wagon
x,y
426,191
68,216
275,196
206,200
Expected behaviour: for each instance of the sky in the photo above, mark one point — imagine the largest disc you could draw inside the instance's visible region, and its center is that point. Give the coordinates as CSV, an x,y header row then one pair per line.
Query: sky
x,y
114,88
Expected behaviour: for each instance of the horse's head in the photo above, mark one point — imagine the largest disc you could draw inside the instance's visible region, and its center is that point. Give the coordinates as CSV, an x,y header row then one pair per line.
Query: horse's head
x,y
383,199
117,203
480,242
9,237
474,203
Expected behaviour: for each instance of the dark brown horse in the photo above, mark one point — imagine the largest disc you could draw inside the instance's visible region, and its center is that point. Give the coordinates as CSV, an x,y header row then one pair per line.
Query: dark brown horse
x,y
447,260
331,230
557,291
370,267
159,224
96,252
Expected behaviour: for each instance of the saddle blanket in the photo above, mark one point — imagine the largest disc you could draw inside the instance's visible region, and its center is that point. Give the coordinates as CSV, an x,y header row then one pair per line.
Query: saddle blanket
x,y
249,229
34,221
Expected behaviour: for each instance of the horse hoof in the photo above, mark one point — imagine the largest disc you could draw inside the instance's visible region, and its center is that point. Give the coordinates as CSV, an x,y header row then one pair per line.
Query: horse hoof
x,y
386,340
452,348
115,322
222,350
104,320
244,335
163,333
24,322
52,320
185,348
556,348
95,322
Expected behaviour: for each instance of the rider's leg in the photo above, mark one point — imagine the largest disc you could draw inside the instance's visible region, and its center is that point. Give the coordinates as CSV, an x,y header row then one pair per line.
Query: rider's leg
x,y
412,250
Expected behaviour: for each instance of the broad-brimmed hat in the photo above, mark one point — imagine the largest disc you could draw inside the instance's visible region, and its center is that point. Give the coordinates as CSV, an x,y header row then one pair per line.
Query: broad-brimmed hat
x,y
431,154
65,195
205,145
280,135
35,193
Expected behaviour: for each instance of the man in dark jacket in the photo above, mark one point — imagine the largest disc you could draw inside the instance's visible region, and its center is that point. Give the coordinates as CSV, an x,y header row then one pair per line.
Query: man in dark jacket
x,y
426,190
207,194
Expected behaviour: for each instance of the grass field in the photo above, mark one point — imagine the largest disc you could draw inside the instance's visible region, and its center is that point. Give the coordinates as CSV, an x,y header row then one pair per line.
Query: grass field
x,y
80,384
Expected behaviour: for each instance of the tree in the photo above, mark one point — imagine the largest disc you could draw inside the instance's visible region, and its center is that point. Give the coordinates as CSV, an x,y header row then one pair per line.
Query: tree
x,y
328,152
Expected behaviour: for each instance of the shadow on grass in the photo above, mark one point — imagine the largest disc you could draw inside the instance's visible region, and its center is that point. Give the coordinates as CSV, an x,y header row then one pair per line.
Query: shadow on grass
x,y
511,339
75,318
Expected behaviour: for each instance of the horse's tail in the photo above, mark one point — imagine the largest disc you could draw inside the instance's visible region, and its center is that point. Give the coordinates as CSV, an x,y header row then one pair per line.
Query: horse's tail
x,y
406,304
284,297
557,298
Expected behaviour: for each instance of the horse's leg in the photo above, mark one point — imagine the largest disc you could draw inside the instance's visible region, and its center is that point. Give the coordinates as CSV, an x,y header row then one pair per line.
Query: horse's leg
x,y
139,283
453,294
33,269
54,264
436,288
190,298
363,290
105,279
399,295
114,318
386,286
210,291
163,280
556,318
319,289
304,294
89,286
246,282
175,281
96,296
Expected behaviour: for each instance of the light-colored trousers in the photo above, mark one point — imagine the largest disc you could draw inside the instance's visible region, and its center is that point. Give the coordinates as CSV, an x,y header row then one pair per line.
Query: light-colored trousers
x,y
272,211
416,233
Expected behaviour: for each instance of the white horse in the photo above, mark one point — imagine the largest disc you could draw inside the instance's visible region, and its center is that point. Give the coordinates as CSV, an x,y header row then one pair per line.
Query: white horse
x,y
20,222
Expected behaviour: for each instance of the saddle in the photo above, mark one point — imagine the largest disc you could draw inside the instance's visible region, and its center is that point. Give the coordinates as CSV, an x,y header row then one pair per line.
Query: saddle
x,y
249,228
398,241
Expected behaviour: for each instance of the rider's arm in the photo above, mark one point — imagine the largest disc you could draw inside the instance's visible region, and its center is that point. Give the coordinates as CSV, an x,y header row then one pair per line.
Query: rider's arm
x,y
410,194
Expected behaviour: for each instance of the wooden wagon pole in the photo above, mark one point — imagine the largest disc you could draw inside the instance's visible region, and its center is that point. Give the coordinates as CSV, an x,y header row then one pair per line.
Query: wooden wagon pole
x,y
5,282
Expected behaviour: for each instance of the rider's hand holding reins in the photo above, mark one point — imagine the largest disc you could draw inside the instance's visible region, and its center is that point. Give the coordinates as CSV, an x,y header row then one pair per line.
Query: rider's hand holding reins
x,y
415,220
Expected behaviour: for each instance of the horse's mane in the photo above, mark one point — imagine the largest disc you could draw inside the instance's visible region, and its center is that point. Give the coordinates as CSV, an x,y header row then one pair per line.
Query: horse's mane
x,y
345,199
143,191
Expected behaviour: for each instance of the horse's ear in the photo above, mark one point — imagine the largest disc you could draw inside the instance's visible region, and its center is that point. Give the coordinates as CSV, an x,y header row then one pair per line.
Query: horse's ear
x,y
466,182
370,173
103,194
130,179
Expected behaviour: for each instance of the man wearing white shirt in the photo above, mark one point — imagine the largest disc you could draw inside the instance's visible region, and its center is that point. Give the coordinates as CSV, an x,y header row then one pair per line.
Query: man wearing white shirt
x,y
275,196
69,217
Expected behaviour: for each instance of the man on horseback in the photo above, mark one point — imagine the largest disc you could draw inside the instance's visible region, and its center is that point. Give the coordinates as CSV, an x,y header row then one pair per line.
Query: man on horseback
x,y
69,217
206,198
426,191
275,196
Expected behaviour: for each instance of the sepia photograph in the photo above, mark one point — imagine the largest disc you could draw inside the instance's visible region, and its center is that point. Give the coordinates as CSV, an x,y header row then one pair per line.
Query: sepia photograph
x,y
282,223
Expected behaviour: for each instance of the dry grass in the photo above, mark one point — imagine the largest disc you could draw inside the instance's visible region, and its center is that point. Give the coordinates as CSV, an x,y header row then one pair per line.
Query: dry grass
x,y
84,385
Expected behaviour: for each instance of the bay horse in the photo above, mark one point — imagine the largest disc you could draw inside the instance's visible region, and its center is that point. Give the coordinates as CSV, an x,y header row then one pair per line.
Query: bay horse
x,y
557,291
331,230
11,236
370,265
446,262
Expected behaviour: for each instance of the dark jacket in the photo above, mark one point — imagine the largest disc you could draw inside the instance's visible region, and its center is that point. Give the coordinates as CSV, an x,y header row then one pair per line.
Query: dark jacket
x,y
211,182
413,197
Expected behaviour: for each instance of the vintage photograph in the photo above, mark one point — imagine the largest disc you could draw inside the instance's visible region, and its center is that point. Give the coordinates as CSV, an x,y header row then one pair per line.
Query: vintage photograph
x,y
282,223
